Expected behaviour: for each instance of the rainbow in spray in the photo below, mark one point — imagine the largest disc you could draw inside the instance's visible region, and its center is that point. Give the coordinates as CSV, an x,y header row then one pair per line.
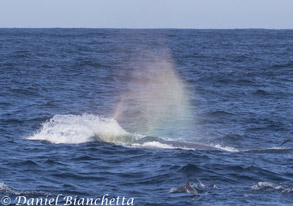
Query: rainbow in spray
x,y
156,102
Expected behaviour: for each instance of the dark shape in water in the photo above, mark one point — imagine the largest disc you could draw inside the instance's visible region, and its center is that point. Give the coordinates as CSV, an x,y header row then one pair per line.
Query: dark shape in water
x,y
287,140
187,188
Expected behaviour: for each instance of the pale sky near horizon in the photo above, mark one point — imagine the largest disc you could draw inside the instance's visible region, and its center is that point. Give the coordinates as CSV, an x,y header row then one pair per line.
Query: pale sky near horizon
x,y
270,14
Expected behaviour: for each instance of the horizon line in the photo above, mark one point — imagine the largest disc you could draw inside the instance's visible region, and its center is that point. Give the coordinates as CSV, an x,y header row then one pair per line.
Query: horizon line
x,y
149,28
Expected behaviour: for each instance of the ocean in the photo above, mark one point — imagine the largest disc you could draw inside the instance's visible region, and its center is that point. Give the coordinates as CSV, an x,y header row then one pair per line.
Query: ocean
x,y
134,114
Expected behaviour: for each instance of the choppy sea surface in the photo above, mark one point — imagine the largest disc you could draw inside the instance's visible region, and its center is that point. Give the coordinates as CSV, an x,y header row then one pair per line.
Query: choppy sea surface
x,y
137,113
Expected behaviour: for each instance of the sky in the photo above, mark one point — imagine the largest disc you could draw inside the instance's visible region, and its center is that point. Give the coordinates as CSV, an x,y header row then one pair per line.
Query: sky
x,y
197,14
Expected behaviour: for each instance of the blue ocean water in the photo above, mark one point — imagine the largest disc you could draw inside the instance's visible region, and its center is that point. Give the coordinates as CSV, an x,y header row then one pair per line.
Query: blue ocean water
x,y
137,113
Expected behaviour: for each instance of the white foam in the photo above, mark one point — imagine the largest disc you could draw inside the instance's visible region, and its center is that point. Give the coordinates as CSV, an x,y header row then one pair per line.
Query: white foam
x,y
226,148
75,129
153,145
6,189
277,148
272,186
157,145
173,189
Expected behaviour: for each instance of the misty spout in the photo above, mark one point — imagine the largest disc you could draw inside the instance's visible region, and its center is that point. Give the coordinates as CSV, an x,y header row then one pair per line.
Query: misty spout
x,y
156,102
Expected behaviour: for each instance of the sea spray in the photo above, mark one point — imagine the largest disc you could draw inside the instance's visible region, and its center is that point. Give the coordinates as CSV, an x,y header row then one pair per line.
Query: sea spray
x,y
156,102
75,129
